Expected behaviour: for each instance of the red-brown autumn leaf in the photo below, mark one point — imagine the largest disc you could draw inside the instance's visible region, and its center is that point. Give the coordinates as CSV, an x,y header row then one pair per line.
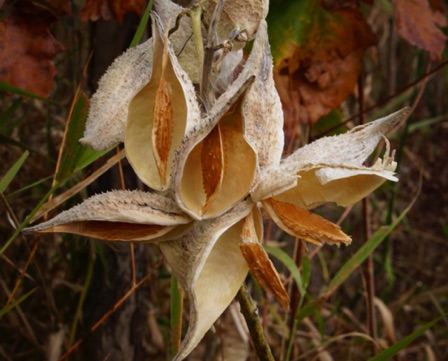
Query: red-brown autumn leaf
x,y
420,26
27,48
323,70
94,10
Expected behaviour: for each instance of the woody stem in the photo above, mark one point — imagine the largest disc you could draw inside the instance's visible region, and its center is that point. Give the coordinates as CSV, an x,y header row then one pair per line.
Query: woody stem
x,y
250,313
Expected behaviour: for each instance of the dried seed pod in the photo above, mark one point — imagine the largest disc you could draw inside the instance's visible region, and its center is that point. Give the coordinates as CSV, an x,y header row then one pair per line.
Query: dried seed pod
x,y
160,115
238,16
216,167
210,268
118,216
109,105
218,163
257,259
182,40
305,225
331,169
261,106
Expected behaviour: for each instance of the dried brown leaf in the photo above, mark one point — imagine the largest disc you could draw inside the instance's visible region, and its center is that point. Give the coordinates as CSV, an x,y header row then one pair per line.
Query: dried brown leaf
x,y
305,225
94,10
320,73
421,26
27,48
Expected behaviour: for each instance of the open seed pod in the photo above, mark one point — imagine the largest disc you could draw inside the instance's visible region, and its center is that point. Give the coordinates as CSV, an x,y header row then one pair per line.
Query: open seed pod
x,y
331,169
219,169
210,268
218,163
257,259
109,105
160,115
182,40
119,216
305,225
237,16
262,108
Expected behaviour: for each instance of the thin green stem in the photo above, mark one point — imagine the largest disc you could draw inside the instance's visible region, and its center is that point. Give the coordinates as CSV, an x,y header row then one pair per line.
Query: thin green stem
x,y
176,315
82,298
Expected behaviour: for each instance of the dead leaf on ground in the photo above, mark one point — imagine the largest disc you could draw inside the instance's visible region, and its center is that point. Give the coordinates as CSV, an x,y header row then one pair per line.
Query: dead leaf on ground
x,y
321,72
94,10
27,48
420,26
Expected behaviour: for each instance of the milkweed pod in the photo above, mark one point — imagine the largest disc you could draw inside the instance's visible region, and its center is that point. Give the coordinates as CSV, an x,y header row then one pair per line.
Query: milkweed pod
x,y
331,169
160,115
119,216
262,109
303,224
257,259
109,105
182,40
209,266
216,167
218,163
237,16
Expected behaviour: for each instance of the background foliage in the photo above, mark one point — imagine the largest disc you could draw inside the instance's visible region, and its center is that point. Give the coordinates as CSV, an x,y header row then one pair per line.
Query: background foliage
x,y
338,63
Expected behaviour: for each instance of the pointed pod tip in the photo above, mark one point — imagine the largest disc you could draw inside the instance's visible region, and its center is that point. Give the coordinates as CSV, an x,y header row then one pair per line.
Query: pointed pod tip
x,y
394,119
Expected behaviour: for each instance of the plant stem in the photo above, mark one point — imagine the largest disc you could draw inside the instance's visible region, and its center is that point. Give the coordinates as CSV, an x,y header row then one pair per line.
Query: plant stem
x,y
250,313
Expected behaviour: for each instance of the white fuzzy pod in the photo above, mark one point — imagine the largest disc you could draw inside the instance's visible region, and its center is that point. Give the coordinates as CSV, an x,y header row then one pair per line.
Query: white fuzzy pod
x,y
118,215
262,108
209,265
109,105
331,169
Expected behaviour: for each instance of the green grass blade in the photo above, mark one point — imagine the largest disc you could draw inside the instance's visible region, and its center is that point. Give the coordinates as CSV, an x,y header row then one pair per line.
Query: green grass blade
x,y
284,258
74,155
141,27
16,302
176,315
306,271
14,142
8,114
26,221
12,172
13,89
362,254
427,122
388,353
82,298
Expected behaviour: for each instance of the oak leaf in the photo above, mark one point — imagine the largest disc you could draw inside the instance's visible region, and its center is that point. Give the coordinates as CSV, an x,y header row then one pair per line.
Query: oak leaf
x,y
421,26
27,48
